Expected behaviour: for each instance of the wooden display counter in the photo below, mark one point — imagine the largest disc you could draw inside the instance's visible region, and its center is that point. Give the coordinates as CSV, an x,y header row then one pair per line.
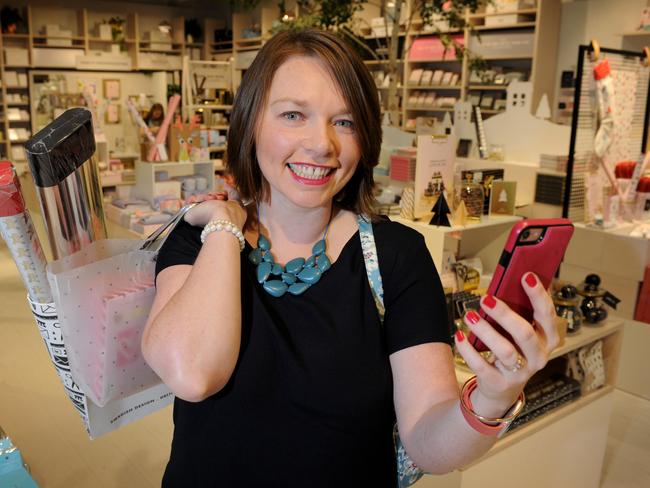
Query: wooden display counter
x,y
564,447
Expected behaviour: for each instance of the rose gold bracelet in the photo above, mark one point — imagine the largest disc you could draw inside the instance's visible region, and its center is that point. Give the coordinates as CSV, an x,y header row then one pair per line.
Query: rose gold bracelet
x,y
486,425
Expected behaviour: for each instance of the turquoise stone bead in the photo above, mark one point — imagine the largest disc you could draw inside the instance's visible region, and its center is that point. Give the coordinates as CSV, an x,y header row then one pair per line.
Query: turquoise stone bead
x,y
288,278
324,263
275,288
255,256
311,260
268,257
277,270
298,288
263,271
319,247
263,243
310,275
295,265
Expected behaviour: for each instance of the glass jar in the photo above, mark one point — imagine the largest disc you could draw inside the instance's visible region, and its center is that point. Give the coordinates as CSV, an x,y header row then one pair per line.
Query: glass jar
x,y
472,195
567,306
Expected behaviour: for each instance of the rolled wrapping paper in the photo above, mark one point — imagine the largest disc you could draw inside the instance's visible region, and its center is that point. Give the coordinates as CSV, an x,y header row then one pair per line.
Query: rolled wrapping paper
x,y
18,232
66,176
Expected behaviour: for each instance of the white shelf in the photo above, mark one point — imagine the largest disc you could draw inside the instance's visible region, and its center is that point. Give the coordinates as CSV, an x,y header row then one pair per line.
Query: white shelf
x,y
486,221
433,87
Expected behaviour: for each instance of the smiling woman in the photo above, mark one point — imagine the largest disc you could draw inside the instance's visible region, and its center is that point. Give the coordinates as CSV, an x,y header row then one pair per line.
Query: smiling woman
x,y
355,113
283,372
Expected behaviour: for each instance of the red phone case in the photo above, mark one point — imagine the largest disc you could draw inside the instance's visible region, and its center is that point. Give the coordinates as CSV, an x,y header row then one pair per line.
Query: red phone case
x,y
542,257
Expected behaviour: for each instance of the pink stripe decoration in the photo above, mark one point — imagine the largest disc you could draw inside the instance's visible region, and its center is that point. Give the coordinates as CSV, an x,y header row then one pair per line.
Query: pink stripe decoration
x,y
154,152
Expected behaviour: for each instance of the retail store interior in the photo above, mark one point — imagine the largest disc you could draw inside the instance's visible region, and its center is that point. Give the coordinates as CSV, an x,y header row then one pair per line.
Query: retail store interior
x,y
508,115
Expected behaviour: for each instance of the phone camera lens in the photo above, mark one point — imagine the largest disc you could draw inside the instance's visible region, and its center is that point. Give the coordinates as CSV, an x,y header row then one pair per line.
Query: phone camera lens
x,y
525,235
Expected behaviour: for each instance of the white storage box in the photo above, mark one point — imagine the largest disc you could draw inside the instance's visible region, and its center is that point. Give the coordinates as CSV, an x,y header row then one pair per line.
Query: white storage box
x,y
98,60
16,56
158,40
104,32
159,61
498,6
57,58
506,45
502,20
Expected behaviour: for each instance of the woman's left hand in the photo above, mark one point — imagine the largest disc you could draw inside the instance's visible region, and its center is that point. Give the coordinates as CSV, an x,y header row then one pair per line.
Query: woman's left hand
x,y
502,377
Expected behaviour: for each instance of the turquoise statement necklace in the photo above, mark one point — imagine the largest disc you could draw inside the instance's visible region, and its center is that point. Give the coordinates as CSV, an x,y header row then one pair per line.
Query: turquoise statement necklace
x,y
296,276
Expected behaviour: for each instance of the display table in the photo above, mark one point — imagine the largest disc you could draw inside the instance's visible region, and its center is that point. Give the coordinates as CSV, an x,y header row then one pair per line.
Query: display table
x,y
484,239
565,447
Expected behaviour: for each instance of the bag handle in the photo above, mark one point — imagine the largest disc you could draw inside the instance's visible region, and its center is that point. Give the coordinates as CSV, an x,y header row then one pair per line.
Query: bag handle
x,y
371,260
170,226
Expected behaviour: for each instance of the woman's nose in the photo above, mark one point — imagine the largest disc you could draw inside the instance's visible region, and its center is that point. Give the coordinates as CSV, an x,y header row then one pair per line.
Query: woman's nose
x,y
320,140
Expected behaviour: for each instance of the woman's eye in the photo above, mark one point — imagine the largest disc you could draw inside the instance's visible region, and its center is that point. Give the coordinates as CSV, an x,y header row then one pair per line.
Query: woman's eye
x,y
293,116
347,124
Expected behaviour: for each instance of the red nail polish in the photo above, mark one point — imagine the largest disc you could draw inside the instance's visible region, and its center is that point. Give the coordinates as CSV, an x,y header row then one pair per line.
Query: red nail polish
x,y
531,280
473,317
460,337
489,301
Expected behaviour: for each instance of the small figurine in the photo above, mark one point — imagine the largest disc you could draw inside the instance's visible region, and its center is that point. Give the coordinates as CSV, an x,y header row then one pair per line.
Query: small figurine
x,y
440,210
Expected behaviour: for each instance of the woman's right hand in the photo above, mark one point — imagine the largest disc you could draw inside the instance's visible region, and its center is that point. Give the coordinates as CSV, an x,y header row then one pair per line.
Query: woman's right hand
x,y
214,206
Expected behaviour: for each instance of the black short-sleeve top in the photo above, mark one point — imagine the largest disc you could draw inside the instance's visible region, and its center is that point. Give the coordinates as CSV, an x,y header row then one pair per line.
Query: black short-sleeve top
x,y
310,402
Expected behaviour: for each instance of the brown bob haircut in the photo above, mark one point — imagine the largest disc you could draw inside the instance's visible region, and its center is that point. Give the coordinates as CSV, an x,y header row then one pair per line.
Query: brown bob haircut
x,y
357,88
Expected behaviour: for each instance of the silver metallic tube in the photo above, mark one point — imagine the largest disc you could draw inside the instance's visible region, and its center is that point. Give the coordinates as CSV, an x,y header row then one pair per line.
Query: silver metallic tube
x,y
67,180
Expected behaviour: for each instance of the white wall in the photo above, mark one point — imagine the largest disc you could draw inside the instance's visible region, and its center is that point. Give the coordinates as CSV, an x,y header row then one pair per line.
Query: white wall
x,y
603,20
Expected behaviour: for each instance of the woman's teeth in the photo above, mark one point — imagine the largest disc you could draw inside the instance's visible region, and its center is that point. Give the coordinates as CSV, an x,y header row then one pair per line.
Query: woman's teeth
x,y
310,172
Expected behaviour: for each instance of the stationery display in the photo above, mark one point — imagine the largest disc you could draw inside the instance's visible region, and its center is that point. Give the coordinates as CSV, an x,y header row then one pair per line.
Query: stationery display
x,y
471,194
434,170
545,395
502,199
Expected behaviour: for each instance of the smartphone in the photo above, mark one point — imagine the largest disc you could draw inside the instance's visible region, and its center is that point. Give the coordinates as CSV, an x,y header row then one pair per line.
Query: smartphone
x,y
537,246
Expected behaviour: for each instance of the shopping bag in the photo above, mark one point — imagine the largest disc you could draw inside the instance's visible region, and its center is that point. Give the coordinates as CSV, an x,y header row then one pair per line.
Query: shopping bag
x,y
92,329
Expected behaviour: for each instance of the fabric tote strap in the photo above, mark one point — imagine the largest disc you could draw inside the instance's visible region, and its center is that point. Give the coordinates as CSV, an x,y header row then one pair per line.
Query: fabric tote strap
x,y
371,260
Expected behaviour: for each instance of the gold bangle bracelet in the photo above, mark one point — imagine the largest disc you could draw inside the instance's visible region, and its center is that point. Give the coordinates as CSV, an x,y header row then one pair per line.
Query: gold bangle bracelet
x,y
511,414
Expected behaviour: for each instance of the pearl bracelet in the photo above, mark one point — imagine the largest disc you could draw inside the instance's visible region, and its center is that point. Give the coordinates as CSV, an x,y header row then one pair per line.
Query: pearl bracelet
x,y
220,224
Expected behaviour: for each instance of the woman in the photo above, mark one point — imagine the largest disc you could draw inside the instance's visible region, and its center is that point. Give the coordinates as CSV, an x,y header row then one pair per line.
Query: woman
x,y
154,118
303,389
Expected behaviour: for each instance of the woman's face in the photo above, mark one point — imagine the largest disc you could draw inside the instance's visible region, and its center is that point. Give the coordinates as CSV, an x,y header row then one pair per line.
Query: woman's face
x,y
306,142
157,113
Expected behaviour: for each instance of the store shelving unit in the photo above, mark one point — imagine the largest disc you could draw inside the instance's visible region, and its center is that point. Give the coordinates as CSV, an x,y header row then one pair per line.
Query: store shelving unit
x,y
541,24
99,49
